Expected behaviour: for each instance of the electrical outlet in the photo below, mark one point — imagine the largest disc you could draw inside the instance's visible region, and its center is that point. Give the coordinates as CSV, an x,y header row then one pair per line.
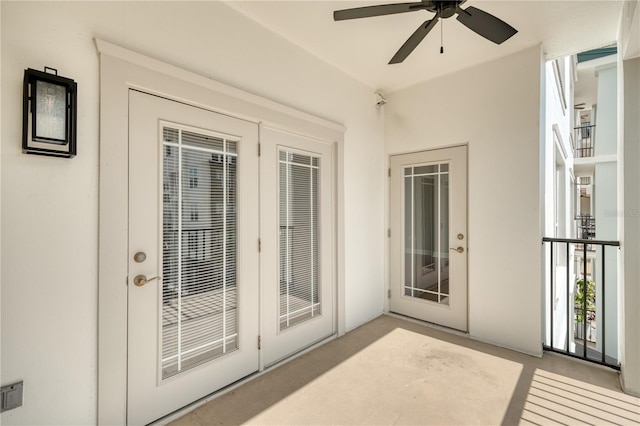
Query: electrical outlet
x,y
11,396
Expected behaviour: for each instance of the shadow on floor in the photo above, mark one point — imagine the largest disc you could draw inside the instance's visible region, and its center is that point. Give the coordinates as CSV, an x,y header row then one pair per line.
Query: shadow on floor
x,y
392,371
545,397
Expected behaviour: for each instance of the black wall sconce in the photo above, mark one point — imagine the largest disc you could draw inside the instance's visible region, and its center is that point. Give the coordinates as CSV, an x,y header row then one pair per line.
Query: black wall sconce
x,y
49,114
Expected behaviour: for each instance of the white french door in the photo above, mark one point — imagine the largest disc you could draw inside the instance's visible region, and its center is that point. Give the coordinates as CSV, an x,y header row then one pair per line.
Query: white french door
x,y
428,244
202,206
193,256
297,235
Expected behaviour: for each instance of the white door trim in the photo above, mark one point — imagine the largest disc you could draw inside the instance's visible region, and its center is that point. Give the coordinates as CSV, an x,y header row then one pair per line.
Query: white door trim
x,y
120,71
393,240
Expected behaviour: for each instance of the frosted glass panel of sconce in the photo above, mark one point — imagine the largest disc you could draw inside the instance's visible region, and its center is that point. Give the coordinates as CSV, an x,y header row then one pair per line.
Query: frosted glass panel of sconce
x,y
51,109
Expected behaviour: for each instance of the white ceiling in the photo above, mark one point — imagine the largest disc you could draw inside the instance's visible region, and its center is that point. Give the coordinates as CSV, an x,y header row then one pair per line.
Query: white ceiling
x,y
362,47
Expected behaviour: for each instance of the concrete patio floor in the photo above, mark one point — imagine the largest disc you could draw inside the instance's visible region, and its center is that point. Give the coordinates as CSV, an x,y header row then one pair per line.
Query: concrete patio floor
x,y
392,371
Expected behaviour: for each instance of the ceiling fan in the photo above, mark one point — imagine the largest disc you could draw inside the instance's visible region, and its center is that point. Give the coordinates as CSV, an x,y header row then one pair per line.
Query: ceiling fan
x,y
483,23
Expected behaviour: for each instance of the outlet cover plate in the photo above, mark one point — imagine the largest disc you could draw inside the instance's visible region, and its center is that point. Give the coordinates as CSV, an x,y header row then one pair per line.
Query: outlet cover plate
x,y
11,396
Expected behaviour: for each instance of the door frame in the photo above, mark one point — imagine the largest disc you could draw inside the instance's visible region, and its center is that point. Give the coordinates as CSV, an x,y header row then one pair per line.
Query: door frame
x,y
120,71
388,278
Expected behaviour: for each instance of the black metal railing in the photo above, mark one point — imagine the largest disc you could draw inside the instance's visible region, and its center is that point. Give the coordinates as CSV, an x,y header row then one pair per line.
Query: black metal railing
x,y
585,141
584,301
585,226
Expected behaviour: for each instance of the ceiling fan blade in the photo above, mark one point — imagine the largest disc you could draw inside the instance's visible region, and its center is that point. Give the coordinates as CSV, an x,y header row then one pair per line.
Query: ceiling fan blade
x,y
485,24
369,11
413,41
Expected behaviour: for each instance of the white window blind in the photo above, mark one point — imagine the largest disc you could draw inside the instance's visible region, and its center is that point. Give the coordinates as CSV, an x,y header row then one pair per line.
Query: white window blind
x,y
199,303
298,217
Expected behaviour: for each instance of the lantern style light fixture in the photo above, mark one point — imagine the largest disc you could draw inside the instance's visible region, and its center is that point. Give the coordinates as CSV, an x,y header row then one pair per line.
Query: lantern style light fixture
x,y
49,114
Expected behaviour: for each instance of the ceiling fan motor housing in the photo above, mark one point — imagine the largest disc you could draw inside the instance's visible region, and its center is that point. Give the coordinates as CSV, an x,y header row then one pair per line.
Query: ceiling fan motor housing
x,y
447,8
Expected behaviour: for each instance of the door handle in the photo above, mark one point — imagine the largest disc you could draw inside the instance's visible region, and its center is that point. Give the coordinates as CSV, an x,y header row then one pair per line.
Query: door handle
x,y
141,280
458,249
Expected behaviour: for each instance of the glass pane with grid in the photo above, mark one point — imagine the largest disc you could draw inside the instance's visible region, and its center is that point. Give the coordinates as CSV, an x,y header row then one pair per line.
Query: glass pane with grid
x,y
199,228
298,240
426,232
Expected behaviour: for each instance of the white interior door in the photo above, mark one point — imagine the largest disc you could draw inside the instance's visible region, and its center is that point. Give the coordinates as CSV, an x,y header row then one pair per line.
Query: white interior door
x,y
193,223
428,246
297,234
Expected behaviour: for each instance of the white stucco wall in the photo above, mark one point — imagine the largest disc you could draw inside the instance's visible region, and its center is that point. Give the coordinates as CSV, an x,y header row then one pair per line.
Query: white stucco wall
x,y
558,166
605,202
607,114
0,195
495,108
606,216
629,185
630,332
50,206
629,30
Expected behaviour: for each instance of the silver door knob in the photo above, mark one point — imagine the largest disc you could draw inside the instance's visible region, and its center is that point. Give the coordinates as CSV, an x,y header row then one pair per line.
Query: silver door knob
x,y
141,280
458,249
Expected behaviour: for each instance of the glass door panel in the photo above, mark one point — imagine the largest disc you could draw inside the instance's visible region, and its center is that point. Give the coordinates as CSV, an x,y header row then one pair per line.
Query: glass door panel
x,y
426,232
298,217
199,300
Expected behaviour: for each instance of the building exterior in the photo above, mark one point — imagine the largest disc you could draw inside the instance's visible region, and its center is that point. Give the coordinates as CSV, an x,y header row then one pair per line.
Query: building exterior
x,y
582,107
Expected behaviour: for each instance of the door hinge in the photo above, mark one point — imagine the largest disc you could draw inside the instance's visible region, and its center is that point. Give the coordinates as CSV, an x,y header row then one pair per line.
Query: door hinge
x,y
389,232
389,294
389,171
259,343
259,153
259,245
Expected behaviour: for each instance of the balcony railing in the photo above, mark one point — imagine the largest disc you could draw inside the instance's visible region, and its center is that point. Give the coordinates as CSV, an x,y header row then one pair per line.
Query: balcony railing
x,y
585,140
576,326
585,226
